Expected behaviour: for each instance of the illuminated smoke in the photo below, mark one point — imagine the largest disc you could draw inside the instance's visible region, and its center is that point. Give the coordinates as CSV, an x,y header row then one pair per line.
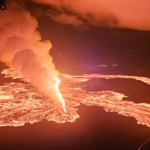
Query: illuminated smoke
x,y
133,14
21,48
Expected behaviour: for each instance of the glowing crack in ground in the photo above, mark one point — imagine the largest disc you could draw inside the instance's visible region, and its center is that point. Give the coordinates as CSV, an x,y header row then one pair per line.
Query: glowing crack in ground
x,y
21,103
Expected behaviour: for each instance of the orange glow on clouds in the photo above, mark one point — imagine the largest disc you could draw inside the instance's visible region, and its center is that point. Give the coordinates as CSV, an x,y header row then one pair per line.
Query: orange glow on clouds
x,y
133,14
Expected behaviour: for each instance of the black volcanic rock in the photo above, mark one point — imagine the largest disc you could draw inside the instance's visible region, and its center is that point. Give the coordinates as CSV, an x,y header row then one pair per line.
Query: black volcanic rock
x,y
136,91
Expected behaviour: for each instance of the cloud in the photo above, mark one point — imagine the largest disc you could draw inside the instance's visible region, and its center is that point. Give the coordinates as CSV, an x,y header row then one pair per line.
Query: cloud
x,y
67,19
21,48
133,14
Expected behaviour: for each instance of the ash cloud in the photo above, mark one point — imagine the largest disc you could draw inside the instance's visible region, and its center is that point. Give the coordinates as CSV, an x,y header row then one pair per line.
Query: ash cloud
x,y
21,48
121,14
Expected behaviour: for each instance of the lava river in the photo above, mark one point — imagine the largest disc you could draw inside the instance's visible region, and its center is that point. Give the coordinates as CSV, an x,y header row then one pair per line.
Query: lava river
x,y
21,103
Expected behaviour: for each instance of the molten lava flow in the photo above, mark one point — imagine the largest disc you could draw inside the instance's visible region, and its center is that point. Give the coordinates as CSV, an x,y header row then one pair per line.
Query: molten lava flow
x,y
59,94
21,103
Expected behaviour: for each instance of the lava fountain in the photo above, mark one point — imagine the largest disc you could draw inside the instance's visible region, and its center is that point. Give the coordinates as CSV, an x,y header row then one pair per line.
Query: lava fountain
x,y
22,48
59,94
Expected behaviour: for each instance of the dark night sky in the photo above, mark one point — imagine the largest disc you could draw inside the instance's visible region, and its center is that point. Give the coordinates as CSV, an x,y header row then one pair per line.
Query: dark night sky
x,y
97,45
94,44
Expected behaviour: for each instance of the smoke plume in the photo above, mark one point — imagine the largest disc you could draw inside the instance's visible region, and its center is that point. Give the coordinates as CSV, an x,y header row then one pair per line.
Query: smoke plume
x,y
21,48
133,14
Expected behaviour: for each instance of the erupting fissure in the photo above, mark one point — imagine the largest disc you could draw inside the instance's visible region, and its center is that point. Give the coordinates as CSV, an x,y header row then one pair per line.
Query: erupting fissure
x,y
59,94
22,48
21,103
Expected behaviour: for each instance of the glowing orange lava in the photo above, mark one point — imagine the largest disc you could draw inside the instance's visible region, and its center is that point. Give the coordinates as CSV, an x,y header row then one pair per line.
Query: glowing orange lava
x,y
59,94
21,103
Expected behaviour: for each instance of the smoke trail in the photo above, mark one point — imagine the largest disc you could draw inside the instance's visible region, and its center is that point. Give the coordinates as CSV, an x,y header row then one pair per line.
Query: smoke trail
x,y
21,48
117,13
